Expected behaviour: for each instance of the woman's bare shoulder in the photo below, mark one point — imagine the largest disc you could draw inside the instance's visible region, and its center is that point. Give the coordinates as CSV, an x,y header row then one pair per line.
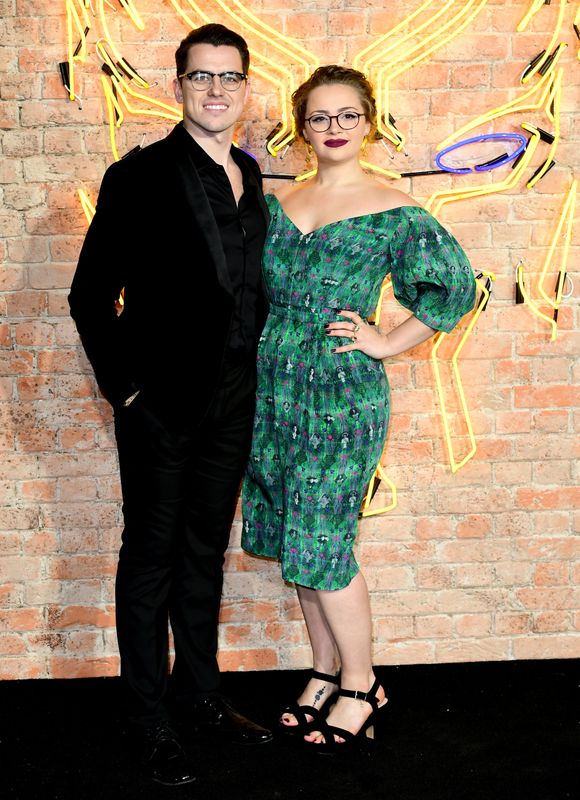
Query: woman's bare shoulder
x,y
289,193
388,198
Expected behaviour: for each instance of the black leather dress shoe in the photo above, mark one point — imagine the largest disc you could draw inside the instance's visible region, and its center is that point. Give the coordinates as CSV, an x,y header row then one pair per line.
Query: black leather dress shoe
x,y
164,759
214,715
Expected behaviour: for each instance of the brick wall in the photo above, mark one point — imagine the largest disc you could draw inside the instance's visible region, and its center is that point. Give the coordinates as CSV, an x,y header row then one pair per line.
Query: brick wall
x,y
480,565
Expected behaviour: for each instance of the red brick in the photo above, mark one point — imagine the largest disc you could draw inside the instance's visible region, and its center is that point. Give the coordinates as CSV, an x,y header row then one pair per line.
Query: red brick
x,y
79,616
12,644
36,440
40,543
543,647
433,627
474,575
69,667
468,625
434,577
472,650
512,623
15,668
88,566
513,421
21,619
247,660
405,653
473,527
545,396
551,621
549,498
393,629
12,279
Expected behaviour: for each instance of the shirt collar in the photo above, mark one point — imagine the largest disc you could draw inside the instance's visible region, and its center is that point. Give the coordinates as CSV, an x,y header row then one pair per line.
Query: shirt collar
x,y
203,161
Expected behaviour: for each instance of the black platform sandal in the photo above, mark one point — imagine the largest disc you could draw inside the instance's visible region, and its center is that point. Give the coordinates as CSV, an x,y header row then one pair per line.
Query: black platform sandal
x,y
304,725
331,746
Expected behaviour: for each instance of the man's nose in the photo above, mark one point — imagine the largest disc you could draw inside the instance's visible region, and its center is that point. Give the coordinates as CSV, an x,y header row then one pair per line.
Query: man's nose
x,y
216,85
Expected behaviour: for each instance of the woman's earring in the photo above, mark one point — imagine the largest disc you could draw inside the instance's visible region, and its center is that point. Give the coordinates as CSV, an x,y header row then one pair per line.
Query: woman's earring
x,y
363,146
308,154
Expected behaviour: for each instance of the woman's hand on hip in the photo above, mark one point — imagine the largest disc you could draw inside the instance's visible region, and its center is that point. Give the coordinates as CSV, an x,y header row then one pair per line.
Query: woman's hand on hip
x,y
364,337
369,339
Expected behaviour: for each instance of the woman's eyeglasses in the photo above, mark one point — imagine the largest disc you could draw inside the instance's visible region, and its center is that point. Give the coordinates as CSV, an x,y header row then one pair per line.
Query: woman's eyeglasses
x,y
347,120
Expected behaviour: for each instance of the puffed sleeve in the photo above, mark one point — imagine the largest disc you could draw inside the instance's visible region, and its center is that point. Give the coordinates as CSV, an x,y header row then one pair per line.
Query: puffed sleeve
x,y
431,274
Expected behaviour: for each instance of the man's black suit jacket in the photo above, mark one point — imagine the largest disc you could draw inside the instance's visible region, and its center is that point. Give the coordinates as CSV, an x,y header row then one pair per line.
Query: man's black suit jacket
x,y
154,235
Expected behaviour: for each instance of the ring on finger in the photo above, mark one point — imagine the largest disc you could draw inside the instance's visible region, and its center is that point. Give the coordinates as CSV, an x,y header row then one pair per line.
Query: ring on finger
x,y
356,327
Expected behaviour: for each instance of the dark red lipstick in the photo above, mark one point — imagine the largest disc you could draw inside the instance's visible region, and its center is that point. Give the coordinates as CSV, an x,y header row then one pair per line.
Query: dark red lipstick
x,y
335,142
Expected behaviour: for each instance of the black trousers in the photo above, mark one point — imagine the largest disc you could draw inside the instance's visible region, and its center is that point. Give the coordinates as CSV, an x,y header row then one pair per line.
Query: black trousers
x,y
180,482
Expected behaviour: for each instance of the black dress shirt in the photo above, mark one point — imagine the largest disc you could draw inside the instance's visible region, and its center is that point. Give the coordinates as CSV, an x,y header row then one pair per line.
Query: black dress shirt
x,y
243,230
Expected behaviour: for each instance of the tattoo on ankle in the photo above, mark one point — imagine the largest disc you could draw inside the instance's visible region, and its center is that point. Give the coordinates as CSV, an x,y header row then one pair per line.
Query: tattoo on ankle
x,y
318,695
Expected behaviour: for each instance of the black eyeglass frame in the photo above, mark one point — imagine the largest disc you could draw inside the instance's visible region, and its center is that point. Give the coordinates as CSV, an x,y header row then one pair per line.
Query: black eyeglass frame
x,y
330,117
220,75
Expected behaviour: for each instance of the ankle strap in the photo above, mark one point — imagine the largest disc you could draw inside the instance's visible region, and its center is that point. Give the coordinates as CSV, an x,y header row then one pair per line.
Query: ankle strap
x,y
323,676
369,697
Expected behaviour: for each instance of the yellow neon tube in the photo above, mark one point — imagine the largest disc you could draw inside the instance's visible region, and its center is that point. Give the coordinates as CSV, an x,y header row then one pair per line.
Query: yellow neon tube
x,y
112,106
389,173
286,133
168,112
553,99
379,474
273,34
88,207
568,216
117,54
365,65
531,305
129,7
469,11
72,16
308,59
543,89
456,465
102,50
306,175
384,289
365,164
536,5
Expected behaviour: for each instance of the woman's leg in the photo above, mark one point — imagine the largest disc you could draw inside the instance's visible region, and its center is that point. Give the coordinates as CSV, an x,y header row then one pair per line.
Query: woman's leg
x,y
324,653
348,616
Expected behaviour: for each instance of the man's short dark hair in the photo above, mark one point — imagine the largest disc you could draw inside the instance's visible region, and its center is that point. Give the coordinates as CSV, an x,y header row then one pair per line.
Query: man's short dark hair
x,y
217,35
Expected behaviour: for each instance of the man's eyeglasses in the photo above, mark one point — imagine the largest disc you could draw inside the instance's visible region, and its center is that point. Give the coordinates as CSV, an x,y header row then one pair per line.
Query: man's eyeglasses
x,y
347,120
200,79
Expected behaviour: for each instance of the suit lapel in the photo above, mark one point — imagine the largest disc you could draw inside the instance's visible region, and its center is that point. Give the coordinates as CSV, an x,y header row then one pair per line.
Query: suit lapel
x,y
197,200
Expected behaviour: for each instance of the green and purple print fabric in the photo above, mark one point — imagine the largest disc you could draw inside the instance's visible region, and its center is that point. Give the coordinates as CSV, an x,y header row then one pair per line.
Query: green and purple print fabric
x,y
322,417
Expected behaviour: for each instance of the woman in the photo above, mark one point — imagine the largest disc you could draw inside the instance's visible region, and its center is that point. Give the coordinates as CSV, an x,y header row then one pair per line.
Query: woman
x,y
323,398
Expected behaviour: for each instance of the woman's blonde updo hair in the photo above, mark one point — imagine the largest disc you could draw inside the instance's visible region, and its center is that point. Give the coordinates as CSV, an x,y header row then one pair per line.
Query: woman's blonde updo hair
x,y
326,76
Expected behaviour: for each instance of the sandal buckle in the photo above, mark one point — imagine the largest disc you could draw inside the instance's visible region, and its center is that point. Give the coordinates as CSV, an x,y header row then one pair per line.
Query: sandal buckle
x,y
358,695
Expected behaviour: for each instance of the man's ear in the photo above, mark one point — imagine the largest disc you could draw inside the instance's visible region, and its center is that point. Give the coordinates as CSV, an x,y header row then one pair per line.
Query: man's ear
x,y
178,90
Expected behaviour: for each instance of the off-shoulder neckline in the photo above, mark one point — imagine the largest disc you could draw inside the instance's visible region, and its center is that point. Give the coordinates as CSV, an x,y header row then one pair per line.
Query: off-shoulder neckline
x,y
343,219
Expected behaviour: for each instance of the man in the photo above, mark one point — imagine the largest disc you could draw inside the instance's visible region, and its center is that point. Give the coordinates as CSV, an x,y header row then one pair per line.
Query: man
x,y
179,228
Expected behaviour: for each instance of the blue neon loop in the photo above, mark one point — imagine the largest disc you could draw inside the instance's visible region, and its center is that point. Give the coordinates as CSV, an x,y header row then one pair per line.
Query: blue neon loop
x,y
486,137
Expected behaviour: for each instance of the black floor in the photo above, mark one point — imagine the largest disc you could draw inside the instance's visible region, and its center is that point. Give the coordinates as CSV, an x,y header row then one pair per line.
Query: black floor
x,y
452,732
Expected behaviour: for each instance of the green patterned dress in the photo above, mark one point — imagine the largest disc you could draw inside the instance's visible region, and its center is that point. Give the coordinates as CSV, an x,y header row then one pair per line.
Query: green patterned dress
x,y
321,417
